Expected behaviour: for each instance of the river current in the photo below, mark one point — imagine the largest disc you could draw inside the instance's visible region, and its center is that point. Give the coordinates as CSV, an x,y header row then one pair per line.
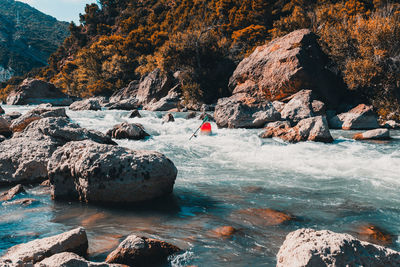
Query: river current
x,y
337,186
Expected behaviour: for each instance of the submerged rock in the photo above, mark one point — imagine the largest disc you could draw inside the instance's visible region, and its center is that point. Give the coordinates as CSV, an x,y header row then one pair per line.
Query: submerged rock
x,y
10,194
133,131
142,252
264,217
374,234
168,118
236,113
68,259
19,124
87,104
377,134
24,157
362,117
224,231
285,66
34,91
308,247
116,174
35,251
312,129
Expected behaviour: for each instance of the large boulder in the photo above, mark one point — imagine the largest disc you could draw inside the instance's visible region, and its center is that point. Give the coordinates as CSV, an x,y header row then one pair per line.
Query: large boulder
x,y
69,259
126,93
235,113
170,101
133,131
87,104
311,248
35,251
362,117
154,86
33,92
312,129
24,157
377,134
93,172
285,66
19,124
142,252
302,105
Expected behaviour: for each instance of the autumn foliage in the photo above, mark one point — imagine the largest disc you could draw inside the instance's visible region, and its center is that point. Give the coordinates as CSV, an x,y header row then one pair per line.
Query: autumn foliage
x,y
122,40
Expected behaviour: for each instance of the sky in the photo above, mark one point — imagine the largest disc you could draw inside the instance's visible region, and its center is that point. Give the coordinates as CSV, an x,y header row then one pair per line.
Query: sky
x,y
64,10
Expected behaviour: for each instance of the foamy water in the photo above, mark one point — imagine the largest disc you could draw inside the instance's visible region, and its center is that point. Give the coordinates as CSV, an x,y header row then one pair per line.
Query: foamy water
x,y
335,186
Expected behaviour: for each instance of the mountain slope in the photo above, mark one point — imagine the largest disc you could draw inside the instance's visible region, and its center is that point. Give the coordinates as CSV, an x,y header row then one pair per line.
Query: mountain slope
x,y
27,38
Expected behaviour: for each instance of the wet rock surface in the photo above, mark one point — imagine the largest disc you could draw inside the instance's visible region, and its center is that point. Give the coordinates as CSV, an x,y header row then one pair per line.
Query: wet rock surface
x,y
362,117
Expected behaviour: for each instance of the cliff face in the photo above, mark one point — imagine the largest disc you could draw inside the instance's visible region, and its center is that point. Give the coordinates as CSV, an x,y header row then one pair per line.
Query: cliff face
x,y
27,38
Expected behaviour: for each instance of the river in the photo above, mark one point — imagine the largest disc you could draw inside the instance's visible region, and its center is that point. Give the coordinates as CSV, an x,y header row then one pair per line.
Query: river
x,y
337,186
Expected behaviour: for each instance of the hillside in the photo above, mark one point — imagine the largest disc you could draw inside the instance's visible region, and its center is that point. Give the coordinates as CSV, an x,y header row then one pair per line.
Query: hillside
x,y
27,38
122,40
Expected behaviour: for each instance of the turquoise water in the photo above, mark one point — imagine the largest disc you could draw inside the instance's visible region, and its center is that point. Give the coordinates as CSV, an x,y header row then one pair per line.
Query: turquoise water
x,y
337,186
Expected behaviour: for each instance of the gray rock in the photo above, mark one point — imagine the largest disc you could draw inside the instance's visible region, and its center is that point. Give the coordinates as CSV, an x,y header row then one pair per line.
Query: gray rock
x,y
302,105
141,251
2,138
391,124
21,202
155,85
311,129
125,93
205,107
68,259
126,104
376,134
10,194
234,113
116,174
362,117
33,92
23,158
311,248
5,129
278,105
12,116
19,124
191,115
168,118
35,251
135,114
2,111
209,117
170,101
87,104
133,131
